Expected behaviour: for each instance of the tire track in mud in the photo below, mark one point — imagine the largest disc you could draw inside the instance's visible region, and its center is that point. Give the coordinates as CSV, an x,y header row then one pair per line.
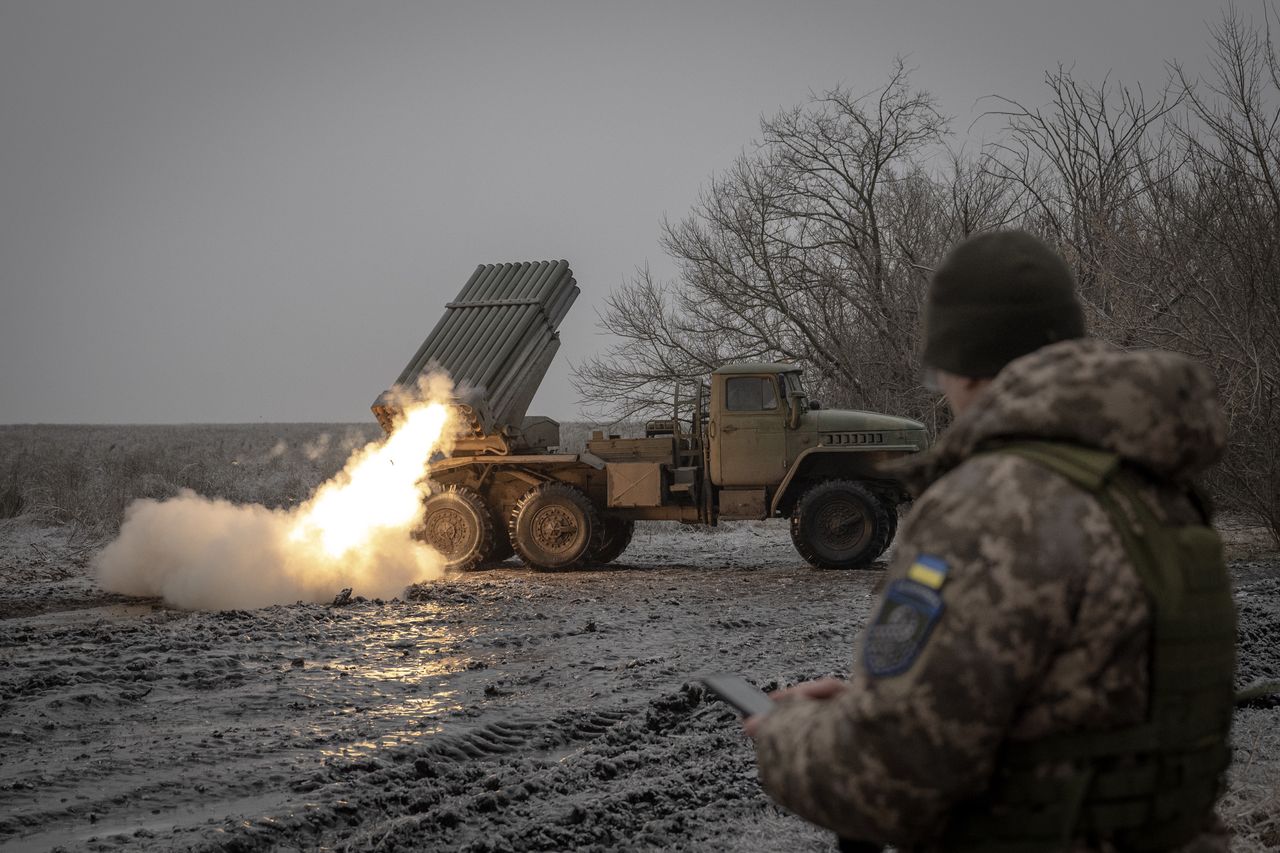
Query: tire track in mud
x,y
521,644
111,718
675,774
1258,630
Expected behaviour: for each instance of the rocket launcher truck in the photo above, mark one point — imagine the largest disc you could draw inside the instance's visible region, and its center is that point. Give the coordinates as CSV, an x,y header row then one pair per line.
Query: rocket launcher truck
x,y
746,443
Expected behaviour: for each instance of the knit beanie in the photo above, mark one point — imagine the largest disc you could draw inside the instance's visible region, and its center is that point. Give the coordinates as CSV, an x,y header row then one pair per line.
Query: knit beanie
x,y
995,297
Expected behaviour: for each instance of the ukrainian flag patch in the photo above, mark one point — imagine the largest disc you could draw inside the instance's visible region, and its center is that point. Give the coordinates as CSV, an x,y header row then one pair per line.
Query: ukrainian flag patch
x,y
908,612
928,570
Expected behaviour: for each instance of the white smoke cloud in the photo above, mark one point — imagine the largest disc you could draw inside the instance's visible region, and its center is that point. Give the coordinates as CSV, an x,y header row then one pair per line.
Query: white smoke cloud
x,y
204,554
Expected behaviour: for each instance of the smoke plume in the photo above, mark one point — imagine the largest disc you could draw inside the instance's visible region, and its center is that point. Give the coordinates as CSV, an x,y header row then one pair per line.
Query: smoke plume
x,y
204,554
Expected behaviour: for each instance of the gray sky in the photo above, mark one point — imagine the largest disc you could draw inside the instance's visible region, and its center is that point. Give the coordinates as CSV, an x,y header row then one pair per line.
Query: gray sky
x,y
255,210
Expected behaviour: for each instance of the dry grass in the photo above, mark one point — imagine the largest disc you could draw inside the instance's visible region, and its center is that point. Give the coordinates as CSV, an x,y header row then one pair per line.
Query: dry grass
x,y
85,476
1244,537
1251,806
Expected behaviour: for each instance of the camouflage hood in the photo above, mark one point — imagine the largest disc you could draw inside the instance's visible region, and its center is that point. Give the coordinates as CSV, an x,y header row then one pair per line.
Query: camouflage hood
x,y
1156,409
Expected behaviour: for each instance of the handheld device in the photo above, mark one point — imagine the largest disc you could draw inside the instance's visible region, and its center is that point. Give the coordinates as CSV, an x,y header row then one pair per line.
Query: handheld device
x,y
746,699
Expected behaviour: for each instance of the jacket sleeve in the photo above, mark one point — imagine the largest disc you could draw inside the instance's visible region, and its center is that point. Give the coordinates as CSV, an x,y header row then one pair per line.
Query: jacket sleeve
x,y
917,729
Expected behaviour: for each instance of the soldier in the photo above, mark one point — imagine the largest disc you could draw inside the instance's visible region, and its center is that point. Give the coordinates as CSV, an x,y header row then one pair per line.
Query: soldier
x,y
1050,666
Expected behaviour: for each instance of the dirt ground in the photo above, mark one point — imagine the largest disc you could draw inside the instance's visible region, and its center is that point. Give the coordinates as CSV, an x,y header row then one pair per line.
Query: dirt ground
x,y
499,710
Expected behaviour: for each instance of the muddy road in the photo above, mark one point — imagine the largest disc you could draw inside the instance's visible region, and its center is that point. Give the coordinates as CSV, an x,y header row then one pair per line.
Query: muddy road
x,y
498,710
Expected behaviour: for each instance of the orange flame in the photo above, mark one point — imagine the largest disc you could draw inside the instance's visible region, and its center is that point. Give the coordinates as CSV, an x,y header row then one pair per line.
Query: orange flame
x,y
379,491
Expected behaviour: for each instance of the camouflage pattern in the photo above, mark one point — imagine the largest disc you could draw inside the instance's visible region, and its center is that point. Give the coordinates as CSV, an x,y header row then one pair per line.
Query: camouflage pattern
x,y
1045,624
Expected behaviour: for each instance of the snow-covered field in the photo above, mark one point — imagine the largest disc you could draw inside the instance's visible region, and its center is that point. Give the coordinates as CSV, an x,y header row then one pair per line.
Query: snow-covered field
x,y
498,710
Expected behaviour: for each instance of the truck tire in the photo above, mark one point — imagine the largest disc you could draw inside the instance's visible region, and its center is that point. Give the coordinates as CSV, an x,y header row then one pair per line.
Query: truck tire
x,y
456,522
617,536
840,524
554,526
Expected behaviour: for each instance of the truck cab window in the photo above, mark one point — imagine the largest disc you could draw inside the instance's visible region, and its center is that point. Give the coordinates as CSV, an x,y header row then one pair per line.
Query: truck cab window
x,y
750,394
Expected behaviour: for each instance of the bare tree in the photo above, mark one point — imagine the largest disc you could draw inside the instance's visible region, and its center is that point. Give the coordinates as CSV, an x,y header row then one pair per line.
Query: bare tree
x,y
1169,212
657,349
1084,162
1223,240
808,248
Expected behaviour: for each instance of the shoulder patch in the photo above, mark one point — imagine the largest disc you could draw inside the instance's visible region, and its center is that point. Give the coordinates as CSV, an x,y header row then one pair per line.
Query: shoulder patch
x,y
911,607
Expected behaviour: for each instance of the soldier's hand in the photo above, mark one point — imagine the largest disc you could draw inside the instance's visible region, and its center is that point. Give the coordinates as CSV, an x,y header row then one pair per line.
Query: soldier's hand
x,y
823,688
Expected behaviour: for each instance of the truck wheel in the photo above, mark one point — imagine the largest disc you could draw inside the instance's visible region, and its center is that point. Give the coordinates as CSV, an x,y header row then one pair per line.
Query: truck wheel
x,y
617,536
840,524
554,526
456,523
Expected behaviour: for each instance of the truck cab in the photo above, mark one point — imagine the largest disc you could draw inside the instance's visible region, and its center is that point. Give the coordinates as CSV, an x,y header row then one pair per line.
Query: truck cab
x,y
747,427
764,433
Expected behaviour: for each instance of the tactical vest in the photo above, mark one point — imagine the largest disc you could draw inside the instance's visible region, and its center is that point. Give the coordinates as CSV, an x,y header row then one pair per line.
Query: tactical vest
x,y
1150,786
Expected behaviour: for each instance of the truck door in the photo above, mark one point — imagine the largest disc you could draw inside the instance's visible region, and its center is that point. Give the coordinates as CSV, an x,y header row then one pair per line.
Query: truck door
x,y
748,433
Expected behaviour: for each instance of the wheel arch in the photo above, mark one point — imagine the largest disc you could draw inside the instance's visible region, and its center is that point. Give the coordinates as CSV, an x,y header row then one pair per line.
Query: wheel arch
x,y
837,463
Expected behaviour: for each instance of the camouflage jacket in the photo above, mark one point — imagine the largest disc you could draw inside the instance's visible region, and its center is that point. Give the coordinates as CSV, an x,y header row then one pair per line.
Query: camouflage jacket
x,y
1043,624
